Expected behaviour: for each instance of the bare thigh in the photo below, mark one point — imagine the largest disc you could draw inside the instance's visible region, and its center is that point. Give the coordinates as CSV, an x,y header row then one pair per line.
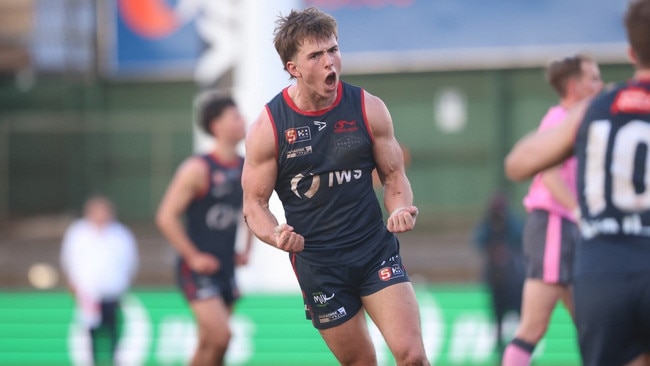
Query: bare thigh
x,y
396,313
350,342
642,360
212,317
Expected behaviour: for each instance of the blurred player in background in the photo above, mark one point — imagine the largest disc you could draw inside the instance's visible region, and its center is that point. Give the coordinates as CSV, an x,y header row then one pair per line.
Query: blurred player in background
x,y
200,215
551,230
99,257
498,238
610,136
316,144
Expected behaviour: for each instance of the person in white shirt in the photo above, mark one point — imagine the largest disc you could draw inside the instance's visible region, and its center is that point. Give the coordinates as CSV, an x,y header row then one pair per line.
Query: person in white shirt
x,y
99,258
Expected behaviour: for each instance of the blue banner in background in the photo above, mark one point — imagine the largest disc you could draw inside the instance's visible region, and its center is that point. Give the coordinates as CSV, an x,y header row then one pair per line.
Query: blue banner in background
x,y
400,25
152,37
167,39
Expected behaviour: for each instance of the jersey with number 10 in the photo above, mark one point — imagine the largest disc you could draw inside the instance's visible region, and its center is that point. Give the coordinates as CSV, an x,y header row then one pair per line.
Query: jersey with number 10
x,y
613,150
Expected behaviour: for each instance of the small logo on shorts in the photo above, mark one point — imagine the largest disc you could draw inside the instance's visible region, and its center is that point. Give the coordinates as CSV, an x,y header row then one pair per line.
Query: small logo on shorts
x,y
388,273
338,314
321,299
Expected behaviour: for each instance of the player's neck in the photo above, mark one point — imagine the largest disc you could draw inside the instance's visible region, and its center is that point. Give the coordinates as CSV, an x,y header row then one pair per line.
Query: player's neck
x,y
225,152
642,74
567,103
308,100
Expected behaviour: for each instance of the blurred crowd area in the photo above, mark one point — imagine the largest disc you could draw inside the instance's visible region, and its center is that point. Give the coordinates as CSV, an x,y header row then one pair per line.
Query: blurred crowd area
x,y
30,249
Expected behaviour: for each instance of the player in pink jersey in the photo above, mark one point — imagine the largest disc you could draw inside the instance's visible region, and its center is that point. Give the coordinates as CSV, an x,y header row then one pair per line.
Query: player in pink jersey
x,y
551,230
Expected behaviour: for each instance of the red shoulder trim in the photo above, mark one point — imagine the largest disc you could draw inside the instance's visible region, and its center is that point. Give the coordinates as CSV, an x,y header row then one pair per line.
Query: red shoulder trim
x,y
365,117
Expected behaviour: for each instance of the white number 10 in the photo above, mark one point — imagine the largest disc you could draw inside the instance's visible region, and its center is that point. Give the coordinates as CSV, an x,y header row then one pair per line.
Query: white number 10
x,y
627,141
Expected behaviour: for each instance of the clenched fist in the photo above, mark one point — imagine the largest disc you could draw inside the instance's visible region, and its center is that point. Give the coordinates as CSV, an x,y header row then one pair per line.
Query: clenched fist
x,y
402,219
289,241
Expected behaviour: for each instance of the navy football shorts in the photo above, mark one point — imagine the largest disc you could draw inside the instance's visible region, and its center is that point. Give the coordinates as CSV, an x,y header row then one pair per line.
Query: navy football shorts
x,y
612,316
200,287
332,294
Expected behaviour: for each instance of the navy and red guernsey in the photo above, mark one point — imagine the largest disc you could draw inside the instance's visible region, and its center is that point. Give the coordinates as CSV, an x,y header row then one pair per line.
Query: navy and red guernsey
x,y
325,165
613,150
213,219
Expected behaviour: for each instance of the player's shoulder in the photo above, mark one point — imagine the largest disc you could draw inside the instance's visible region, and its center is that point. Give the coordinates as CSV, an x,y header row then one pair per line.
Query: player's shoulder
x,y
610,91
262,129
375,110
193,167
372,102
195,161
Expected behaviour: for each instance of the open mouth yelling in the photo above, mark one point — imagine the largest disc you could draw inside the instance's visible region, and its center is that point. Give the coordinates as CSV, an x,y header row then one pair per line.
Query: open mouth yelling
x,y
330,80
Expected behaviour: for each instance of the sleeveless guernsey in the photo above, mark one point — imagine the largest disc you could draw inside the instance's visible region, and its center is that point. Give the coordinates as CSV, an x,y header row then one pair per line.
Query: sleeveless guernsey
x,y
612,147
325,165
213,218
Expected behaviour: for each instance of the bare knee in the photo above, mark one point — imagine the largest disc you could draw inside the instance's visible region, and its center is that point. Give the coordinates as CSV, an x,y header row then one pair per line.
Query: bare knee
x,y
215,341
411,357
367,358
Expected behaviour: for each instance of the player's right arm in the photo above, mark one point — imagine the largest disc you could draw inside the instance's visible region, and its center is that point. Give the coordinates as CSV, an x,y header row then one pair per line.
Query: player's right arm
x,y
188,181
258,181
542,150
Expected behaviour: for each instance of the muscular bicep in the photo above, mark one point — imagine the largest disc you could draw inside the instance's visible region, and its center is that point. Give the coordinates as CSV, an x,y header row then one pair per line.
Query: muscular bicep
x,y
389,159
260,165
386,150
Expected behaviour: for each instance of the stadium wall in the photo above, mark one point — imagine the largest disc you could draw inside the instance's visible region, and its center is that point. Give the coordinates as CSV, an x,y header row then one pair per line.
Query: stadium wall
x,y
64,139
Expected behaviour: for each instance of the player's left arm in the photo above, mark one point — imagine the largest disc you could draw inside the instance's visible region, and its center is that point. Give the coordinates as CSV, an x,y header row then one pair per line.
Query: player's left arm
x,y
541,150
398,196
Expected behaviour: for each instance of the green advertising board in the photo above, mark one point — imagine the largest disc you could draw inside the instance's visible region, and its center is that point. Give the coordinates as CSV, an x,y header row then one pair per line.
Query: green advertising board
x,y
40,328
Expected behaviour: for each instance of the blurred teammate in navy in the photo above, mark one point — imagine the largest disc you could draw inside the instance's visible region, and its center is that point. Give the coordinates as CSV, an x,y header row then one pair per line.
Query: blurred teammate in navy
x,y
316,144
206,189
610,137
